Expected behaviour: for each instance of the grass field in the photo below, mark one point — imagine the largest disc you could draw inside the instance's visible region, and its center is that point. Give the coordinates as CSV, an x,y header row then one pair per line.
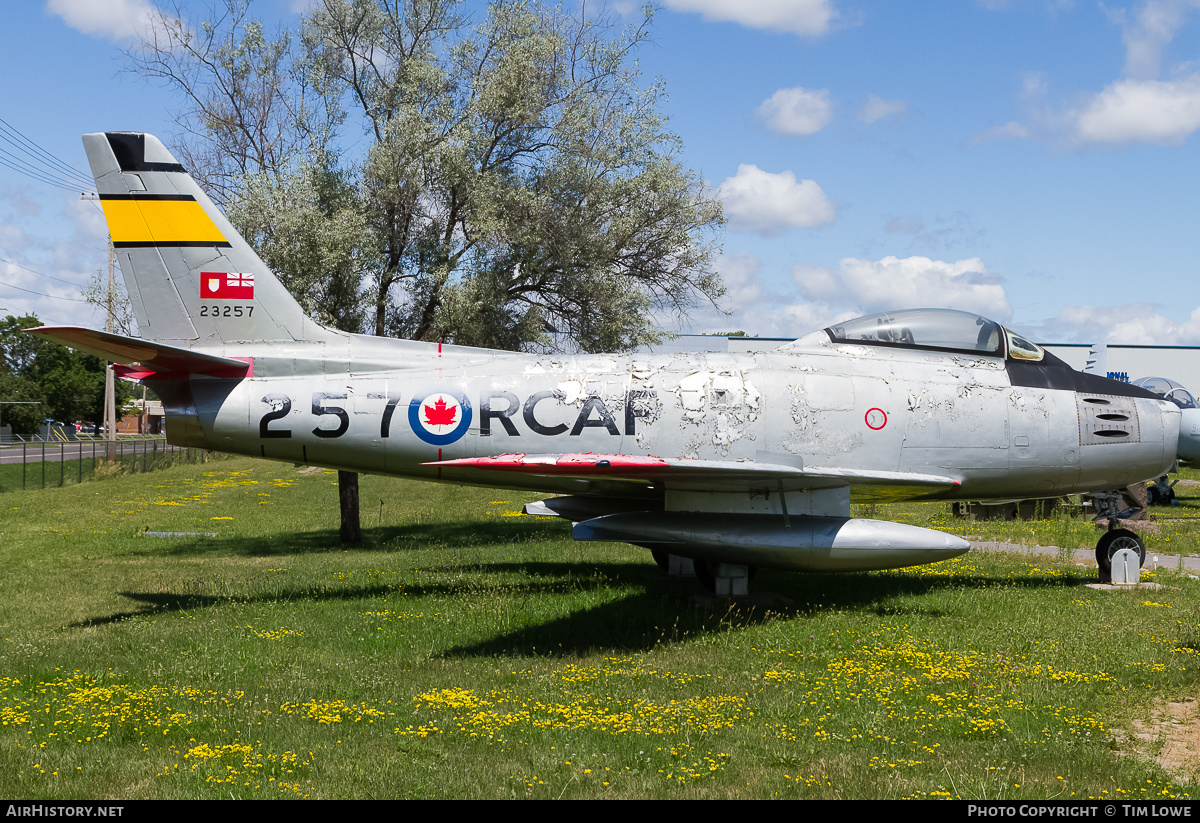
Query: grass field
x,y
467,651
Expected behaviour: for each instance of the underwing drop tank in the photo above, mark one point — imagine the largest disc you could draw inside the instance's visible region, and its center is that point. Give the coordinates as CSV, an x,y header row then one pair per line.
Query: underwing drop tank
x,y
804,543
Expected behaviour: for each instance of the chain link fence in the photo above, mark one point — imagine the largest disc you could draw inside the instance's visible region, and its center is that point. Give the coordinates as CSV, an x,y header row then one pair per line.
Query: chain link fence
x,y
36,465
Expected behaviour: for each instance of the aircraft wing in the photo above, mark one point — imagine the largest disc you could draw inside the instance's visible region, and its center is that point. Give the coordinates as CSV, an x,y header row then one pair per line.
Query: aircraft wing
x,y
713,475
155,357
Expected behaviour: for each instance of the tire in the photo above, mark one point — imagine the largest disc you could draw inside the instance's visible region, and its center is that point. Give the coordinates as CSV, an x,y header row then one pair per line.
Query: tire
x,y
1112,542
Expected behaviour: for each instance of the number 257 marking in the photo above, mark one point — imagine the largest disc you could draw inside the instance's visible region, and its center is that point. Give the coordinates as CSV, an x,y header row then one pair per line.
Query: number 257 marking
x,y
281,407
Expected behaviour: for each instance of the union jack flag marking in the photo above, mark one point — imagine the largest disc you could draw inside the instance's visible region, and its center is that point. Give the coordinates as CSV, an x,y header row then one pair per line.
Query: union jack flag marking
x,y
227,285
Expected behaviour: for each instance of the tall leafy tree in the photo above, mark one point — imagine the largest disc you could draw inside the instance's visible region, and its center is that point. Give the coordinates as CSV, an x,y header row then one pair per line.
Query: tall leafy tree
x,y
513,173
67,385
17,387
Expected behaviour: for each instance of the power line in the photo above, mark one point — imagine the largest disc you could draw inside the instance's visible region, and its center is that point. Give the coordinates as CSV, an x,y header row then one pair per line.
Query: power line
x,y
35,174
43,166
37,150
43,294
38,273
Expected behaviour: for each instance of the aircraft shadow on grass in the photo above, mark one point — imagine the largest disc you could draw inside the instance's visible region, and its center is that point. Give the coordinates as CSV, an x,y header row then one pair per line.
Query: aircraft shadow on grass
x,y
386,540
647,609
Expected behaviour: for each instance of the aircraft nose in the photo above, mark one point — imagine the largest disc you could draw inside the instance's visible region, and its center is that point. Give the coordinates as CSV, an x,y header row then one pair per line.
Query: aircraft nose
x,y
1188,447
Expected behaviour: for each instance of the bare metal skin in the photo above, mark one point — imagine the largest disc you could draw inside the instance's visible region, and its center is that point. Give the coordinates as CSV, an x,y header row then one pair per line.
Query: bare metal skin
x,y
740,460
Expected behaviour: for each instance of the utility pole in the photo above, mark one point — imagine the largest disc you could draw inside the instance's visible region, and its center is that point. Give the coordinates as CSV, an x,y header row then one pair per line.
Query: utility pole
x,y
110,395
110,389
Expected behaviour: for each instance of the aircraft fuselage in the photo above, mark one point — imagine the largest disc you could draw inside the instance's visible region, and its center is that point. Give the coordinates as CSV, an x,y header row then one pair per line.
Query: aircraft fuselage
x,y
831,404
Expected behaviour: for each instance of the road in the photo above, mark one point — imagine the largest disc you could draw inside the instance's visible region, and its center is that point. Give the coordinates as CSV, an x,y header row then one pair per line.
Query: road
x,y
55,452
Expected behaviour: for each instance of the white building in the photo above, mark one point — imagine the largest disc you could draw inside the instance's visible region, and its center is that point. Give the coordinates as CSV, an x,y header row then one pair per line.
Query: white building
x,y
1178,363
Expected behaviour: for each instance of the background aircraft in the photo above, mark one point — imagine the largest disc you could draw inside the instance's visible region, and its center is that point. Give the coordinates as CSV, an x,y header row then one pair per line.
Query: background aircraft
x,y
1188,447
733,461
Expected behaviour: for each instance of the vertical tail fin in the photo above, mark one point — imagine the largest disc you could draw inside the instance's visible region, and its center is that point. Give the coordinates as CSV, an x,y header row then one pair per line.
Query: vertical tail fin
x,y
191,277
1097,360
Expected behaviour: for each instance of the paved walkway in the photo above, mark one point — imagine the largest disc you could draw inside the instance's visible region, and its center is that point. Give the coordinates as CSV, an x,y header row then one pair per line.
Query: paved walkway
x,y
1087,557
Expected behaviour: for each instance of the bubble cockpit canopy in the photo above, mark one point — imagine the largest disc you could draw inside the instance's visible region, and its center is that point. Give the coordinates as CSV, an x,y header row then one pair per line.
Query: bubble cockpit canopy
x,y
938,330
1169,390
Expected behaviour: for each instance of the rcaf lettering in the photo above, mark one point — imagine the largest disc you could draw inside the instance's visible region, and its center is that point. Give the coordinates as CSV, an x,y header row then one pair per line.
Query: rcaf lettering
x,y
531,421
636,405
584,420
498,406
593,414
487,412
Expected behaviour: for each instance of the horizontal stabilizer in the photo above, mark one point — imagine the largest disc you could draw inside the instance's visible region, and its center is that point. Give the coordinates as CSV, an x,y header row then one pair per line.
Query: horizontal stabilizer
x,y
157,358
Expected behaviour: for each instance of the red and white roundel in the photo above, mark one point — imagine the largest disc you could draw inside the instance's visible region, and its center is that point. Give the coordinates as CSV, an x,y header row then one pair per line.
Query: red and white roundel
x,y
876,419
439,417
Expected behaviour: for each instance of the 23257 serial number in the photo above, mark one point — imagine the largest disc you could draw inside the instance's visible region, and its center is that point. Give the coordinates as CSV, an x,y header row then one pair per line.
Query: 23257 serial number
x,y
226,311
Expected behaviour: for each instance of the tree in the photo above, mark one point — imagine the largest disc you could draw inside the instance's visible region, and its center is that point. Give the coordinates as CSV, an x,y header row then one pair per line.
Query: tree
x,y
516,178
308,226
250,104
17,388
68,385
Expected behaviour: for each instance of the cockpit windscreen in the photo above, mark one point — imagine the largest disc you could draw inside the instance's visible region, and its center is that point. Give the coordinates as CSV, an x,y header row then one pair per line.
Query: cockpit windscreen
x,y
943,329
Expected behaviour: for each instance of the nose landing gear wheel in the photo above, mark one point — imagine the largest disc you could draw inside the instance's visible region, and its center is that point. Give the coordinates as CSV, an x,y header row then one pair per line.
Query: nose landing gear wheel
x,y
1114,541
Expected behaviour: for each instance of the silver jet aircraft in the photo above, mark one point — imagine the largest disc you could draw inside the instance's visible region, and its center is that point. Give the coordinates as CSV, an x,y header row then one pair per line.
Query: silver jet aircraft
x,y
733,461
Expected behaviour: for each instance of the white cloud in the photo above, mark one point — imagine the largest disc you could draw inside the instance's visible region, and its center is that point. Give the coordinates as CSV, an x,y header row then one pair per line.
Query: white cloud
x,y
753,306
856,287
1133,324
876,108
1149,33
788,320
910,282
795,320
11,237
741,275
1142,111
807,17
797,112
115,19
769,204
18,198
1134,109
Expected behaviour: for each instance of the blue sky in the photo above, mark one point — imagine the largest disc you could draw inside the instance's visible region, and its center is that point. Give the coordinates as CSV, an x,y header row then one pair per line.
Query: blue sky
x,y
1031,160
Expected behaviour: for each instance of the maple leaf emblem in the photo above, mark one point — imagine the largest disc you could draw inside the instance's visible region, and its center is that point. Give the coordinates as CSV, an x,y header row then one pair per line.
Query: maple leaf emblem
x,y
439,414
